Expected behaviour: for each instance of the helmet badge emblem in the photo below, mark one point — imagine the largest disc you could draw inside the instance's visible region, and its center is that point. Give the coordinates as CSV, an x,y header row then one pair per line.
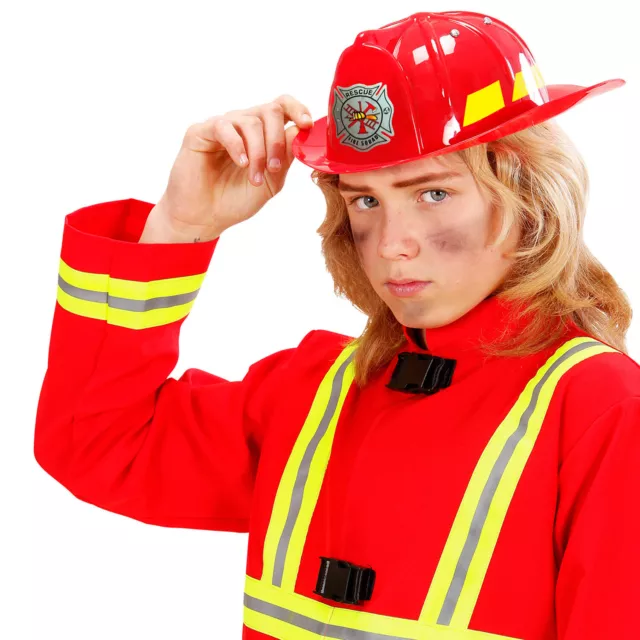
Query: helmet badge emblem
x,y
364,113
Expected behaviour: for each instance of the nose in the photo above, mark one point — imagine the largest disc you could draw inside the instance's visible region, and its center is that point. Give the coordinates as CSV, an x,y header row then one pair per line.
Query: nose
x,y
397,237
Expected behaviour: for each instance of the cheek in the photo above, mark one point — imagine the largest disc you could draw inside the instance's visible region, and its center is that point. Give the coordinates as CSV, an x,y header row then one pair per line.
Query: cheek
x,y
454,242
360,238
462,237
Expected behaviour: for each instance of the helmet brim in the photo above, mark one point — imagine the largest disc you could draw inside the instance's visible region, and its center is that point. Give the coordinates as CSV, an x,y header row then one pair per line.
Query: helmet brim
x,y
310,145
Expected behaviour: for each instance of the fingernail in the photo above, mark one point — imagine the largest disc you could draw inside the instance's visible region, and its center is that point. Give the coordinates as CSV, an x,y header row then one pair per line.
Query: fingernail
x,y
258,177
274,163
306,118
243,159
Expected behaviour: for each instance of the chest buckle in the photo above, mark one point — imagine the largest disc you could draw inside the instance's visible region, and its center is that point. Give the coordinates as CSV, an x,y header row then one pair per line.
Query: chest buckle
x,y
343,581
421,373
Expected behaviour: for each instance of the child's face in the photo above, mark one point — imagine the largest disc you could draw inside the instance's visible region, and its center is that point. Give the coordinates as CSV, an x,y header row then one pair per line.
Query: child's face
x,y
439,235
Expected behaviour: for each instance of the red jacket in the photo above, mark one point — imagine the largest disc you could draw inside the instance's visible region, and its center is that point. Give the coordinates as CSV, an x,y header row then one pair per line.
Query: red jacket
x,y
203,452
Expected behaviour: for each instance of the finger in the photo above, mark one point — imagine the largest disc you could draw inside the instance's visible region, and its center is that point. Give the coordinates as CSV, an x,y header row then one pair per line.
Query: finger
x,y
273,119
251,128
220,132
295,111
289,135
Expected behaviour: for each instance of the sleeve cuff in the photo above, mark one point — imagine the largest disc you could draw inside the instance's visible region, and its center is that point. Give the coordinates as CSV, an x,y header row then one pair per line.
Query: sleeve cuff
x,y
103,238
105,274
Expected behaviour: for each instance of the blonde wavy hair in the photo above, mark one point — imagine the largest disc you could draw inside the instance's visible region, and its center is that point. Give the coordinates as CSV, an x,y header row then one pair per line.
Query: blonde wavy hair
x,y
537,179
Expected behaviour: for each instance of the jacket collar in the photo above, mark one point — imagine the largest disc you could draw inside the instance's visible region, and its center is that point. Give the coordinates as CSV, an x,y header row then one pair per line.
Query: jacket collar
x,y
491,319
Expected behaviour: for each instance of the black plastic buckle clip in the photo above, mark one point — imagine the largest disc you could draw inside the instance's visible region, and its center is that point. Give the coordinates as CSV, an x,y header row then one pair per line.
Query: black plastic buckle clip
x,y
421,373
343,581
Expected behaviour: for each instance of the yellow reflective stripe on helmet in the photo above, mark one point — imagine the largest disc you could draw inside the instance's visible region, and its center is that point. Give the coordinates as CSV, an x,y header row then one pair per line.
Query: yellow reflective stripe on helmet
x,y
303,475
463,565
291,616
128,303
483,103
527,82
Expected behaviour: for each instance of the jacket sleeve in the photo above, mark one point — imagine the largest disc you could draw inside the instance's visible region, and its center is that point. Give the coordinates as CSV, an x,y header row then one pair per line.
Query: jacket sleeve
x,y
110,425
598,529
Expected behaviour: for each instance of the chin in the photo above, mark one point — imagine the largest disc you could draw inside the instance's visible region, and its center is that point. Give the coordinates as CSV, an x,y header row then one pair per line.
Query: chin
x,y
428,316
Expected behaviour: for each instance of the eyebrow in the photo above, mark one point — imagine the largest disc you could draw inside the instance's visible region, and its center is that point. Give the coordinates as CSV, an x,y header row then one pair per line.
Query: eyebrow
x,y
427,177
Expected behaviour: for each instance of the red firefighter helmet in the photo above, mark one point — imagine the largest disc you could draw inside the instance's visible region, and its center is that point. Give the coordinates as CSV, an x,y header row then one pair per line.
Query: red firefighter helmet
x,y
429,84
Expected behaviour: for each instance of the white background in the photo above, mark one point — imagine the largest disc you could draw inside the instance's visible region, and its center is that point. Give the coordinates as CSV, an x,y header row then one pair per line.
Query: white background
x,y
96,97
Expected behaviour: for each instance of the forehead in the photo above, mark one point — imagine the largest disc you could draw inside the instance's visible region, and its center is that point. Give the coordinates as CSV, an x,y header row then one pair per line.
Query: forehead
x,y
422,166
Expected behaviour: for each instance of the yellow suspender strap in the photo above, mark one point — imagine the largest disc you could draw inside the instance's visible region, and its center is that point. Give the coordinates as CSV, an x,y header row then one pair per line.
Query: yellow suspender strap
x,y
303,475
458,578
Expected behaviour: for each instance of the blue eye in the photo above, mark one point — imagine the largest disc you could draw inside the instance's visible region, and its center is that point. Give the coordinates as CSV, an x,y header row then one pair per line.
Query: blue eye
x,y
352,201
441,196
436,191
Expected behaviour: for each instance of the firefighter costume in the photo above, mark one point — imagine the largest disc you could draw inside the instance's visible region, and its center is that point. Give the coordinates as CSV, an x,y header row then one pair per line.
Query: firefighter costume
x,y
454,497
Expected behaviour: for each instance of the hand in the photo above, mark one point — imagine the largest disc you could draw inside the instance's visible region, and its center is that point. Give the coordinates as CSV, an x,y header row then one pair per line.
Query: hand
x,y
210,187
